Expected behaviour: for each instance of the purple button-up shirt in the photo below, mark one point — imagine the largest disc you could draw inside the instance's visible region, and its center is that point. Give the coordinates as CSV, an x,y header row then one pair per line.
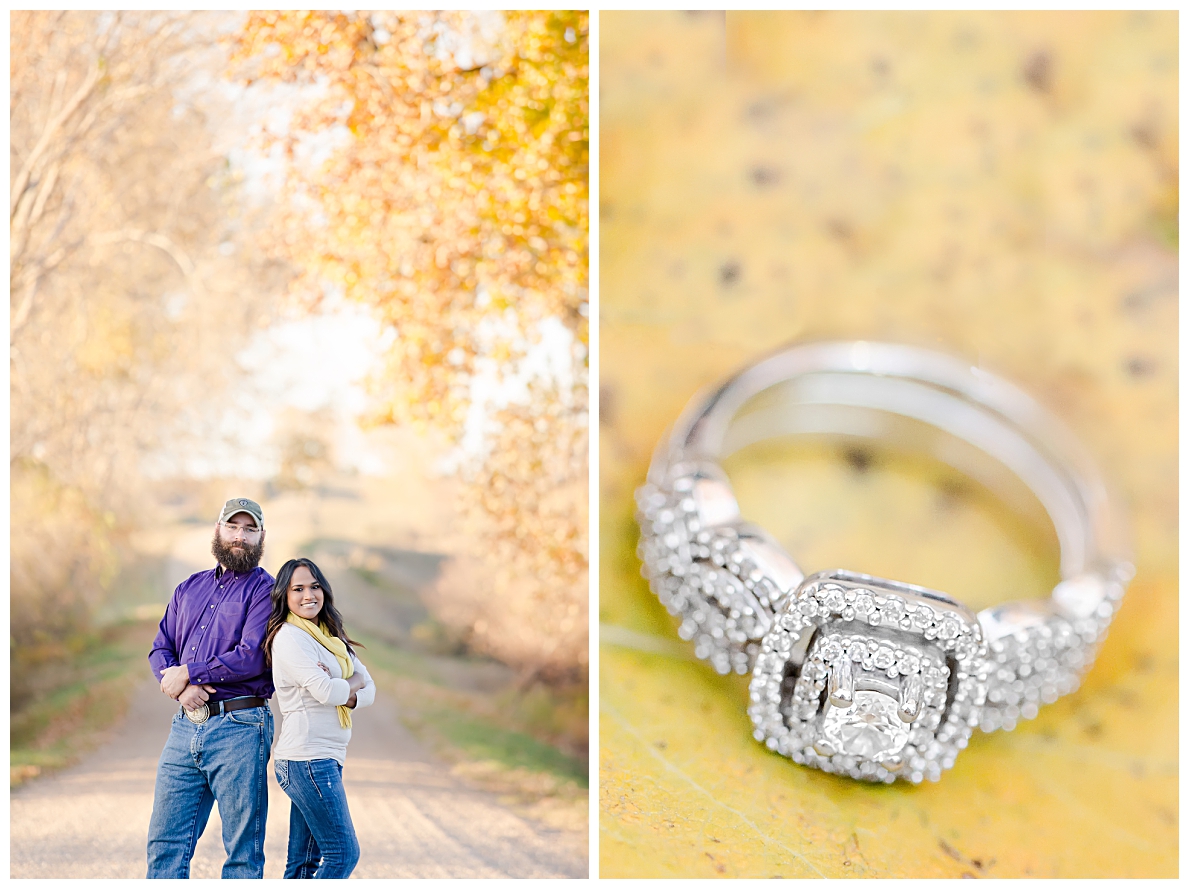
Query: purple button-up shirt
x,y
215,623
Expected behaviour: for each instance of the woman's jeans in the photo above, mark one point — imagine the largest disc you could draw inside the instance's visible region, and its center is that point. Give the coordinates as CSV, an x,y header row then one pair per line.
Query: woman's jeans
x,y
320,828
223,759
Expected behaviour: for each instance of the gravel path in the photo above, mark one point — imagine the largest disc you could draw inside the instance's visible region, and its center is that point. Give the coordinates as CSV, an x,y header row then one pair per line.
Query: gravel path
x,y
412,817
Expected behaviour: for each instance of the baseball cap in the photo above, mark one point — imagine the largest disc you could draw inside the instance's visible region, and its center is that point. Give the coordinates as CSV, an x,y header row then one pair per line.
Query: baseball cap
x,y
242,504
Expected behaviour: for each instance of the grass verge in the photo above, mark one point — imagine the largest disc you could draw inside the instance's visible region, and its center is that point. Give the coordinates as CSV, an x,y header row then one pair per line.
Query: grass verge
x,y
526,746
68,719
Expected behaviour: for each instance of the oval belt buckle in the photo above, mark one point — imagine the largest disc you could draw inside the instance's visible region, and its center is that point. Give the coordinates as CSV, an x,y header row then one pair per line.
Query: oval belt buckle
x,y
199,716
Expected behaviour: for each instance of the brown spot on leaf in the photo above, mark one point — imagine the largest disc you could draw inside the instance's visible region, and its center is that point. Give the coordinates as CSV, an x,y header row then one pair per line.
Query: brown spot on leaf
x,y
840,229
606,406
949,850
858,459
952,491
718,866
1140,367
760,110
1144,135
765,177
729,273
1038,71
1133,302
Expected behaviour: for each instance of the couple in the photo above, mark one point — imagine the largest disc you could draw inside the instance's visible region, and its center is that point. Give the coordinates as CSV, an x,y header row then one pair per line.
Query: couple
x,y
229,636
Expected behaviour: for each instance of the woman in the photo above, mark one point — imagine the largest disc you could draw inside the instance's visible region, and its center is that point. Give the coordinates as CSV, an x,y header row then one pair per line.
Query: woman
x,y
319,681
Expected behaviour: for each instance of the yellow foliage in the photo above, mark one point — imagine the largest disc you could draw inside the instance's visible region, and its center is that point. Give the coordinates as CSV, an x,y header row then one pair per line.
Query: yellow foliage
x,y
450,208
457,207
109,343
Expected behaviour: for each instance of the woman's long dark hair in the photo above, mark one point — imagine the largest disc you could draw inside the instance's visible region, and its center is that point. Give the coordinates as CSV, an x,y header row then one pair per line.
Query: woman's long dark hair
x,y
329,615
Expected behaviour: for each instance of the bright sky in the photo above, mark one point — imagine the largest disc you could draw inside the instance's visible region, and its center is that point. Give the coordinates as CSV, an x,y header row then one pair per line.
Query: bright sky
x,y
317,363
312,363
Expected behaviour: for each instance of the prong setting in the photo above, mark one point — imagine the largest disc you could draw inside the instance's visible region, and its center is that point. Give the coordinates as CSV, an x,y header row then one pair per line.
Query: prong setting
x,y
876,695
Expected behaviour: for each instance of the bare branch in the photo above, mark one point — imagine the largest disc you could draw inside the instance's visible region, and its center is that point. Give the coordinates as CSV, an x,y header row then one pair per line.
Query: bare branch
x,y
154,239
51,132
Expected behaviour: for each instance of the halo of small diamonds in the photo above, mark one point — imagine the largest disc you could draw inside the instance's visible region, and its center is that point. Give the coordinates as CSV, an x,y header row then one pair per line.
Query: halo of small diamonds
x,y
885,635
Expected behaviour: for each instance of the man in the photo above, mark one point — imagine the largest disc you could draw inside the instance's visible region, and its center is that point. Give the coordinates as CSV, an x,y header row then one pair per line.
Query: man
x,y
209,656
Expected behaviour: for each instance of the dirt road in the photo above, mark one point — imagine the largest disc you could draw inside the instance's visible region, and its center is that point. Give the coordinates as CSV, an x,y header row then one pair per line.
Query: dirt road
x,y
413,819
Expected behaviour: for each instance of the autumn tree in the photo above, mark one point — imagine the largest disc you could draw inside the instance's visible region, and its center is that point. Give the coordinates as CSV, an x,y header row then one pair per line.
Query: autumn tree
x,y
454,202
129,293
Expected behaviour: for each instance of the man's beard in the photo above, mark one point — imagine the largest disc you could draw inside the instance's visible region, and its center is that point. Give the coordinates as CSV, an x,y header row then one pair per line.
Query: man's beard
x,y
241,561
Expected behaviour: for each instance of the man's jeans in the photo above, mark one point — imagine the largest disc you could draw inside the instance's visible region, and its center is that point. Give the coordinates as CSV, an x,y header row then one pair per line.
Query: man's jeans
x,y
320,828
223,759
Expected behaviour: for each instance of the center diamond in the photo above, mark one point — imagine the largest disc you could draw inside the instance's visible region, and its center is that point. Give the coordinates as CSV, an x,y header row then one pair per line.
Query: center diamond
x,y
870,727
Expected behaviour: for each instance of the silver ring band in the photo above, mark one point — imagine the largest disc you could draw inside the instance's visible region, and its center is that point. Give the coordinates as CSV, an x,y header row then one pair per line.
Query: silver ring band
x,y
747,605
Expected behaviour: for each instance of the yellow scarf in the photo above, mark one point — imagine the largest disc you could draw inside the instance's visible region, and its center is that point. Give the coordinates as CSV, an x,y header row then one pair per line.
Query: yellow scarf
x,y
335,646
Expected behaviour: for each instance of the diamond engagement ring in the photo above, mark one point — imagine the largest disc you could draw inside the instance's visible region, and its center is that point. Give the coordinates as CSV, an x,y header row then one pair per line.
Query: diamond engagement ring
x,y
853,674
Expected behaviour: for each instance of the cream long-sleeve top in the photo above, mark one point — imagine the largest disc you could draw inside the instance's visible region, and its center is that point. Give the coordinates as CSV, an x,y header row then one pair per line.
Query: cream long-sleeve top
x,y
307,697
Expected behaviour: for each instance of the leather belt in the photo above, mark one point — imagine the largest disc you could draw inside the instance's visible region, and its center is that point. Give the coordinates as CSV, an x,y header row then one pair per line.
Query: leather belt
x,y
214,708
217,707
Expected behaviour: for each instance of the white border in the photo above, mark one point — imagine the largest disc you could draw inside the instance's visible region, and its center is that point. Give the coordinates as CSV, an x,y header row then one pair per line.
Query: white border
x,y
593,449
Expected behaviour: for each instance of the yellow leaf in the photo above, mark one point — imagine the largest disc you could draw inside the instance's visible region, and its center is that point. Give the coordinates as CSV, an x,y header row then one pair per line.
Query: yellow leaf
x,y
914,177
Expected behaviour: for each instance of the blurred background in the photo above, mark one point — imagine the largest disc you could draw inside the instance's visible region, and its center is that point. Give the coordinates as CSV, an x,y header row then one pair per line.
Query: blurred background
x,y
1002,186
335,262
